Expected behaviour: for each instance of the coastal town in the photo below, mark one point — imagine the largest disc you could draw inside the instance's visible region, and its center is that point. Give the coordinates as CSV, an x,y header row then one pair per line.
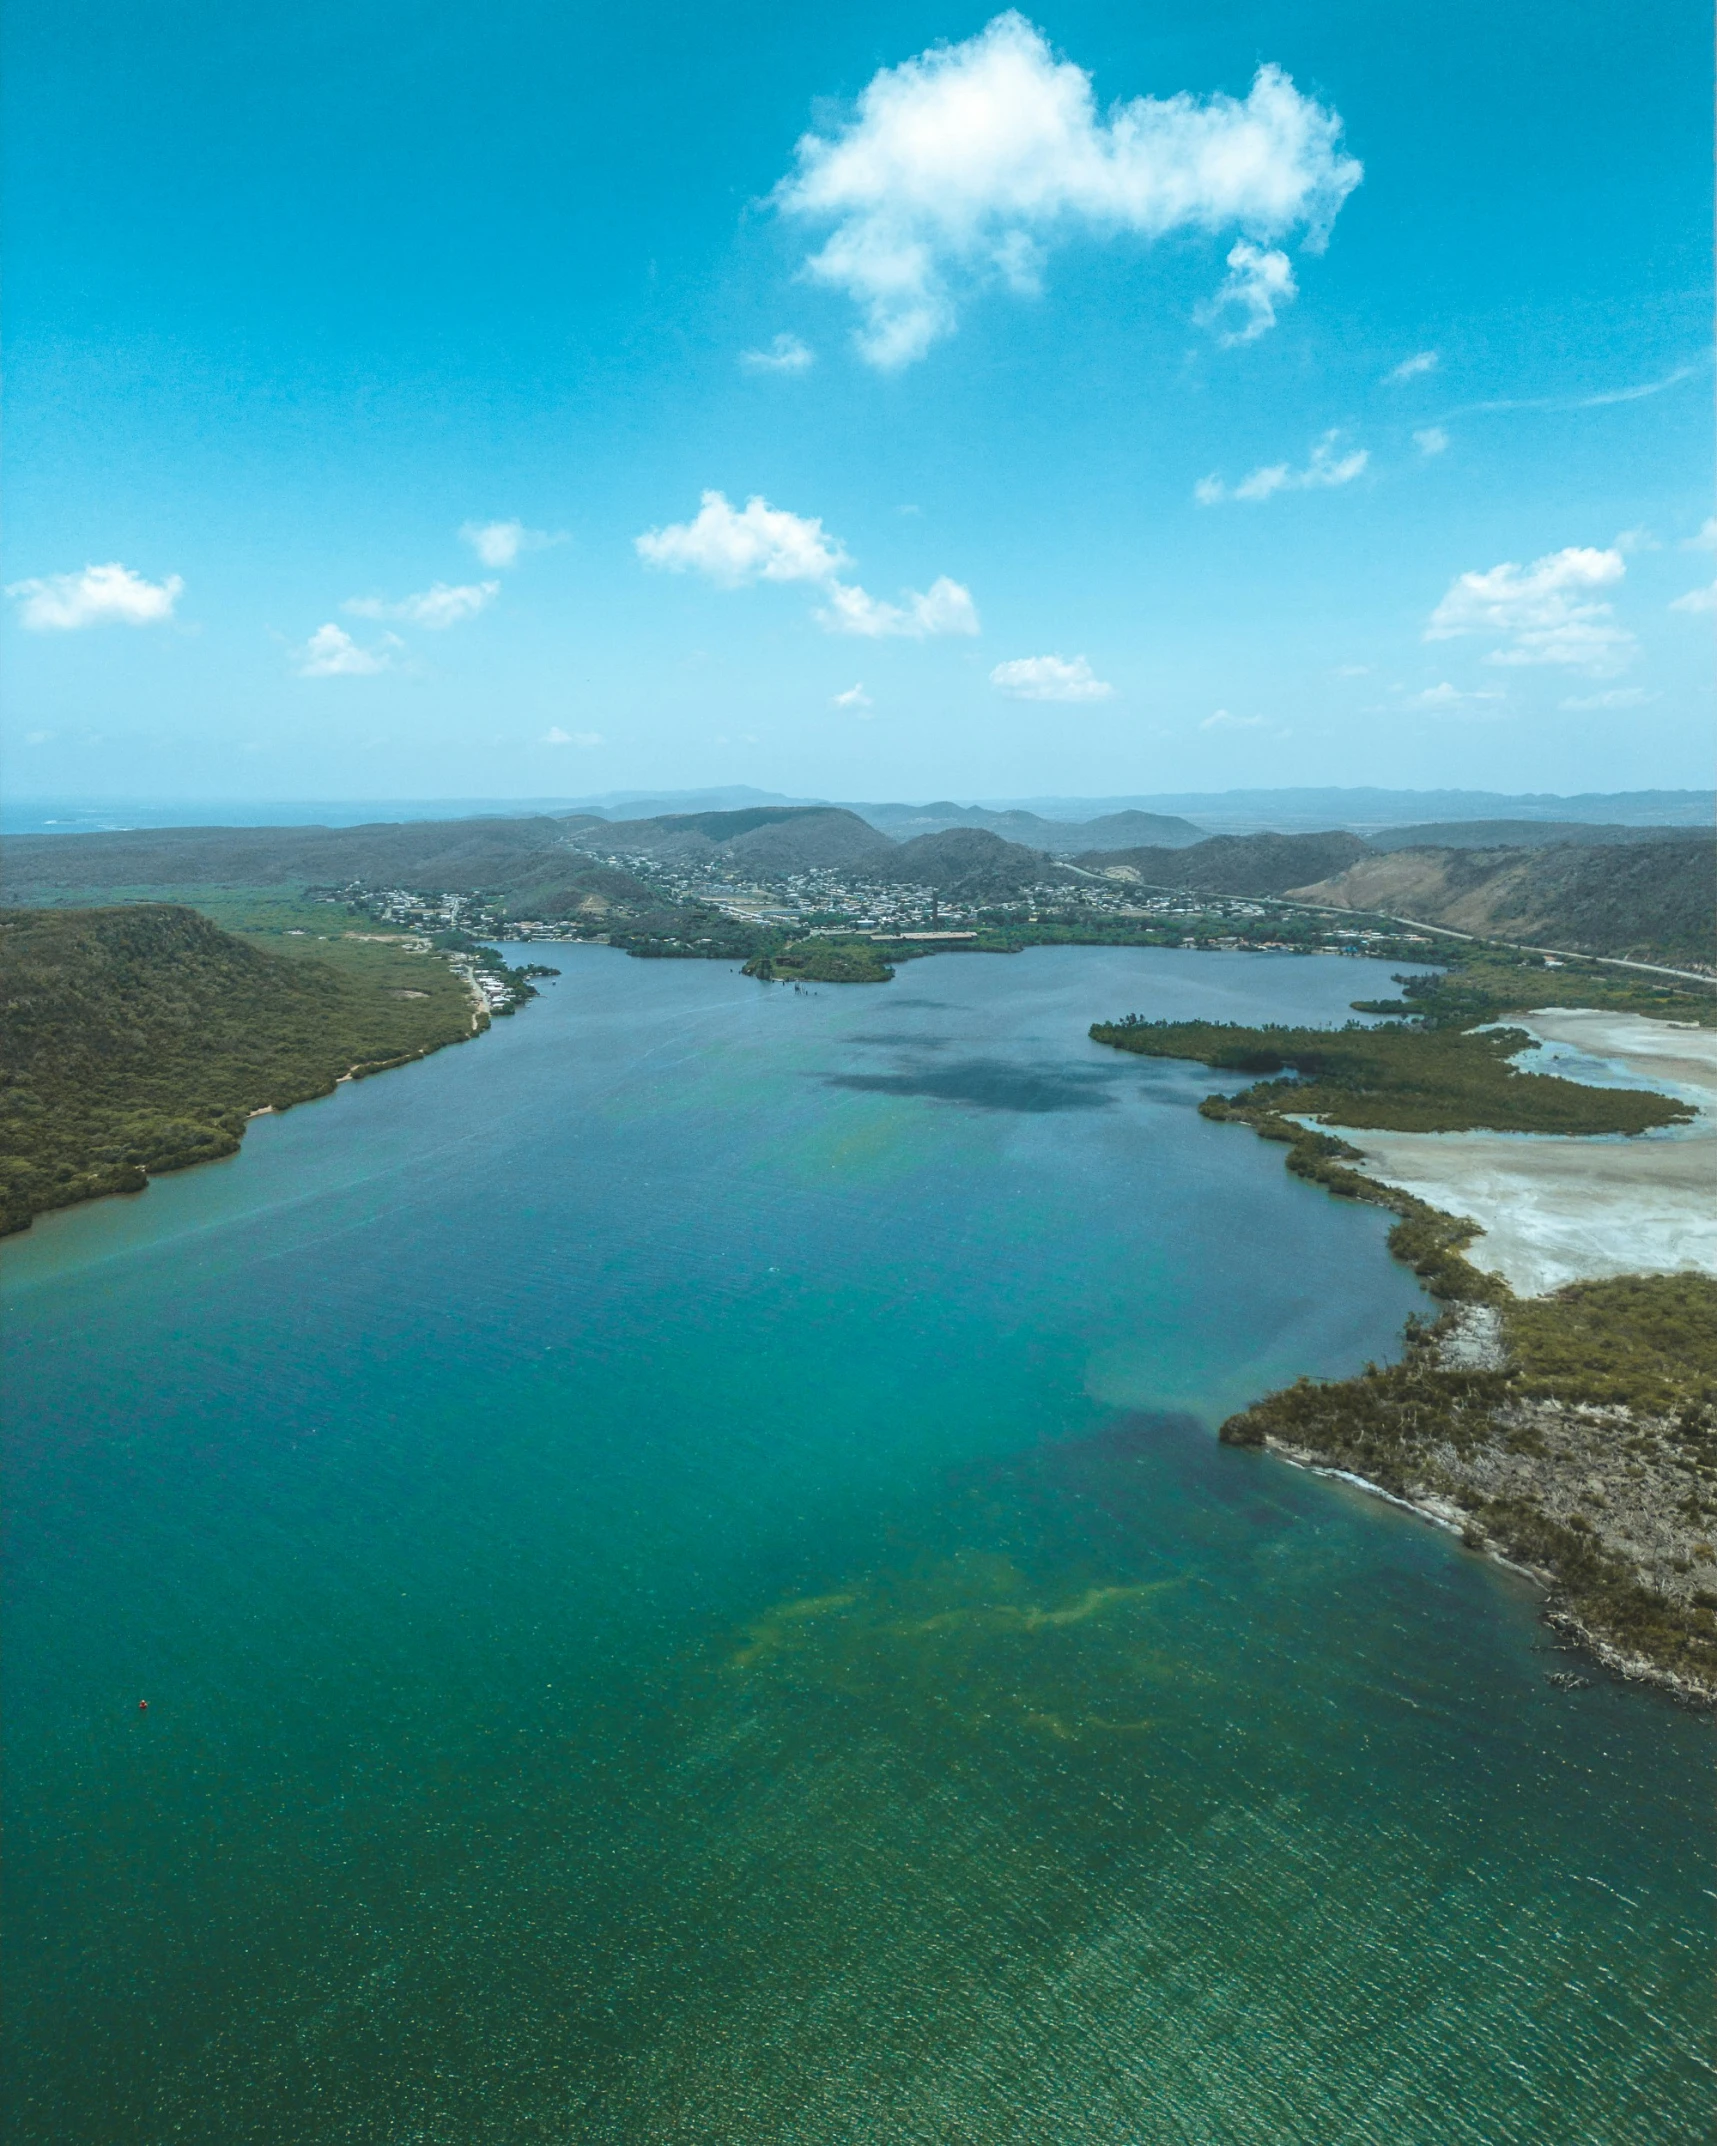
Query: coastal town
x,y
829,904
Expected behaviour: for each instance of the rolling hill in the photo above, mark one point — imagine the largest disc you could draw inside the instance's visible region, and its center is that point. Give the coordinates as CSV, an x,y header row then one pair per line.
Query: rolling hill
x,y
1644,901
1233,864
139,1040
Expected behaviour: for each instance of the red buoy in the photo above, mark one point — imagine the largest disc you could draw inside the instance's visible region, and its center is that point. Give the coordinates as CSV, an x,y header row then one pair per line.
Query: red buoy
x,y
143,1706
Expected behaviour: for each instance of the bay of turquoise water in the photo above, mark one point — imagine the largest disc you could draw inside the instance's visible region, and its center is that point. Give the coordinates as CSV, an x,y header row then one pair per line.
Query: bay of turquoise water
x,y
686,1592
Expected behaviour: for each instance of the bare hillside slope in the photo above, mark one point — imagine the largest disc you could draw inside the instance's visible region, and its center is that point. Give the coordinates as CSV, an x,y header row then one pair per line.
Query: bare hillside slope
x,y
1645,901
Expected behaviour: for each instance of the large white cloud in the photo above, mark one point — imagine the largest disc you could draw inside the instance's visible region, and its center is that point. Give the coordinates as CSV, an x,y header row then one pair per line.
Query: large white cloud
x,y
734,547
1547,612
109,595
1326,468
964,165
1049,678
437,607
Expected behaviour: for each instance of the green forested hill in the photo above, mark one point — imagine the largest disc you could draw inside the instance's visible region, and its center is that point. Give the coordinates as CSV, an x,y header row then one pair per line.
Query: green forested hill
x,y
139,1039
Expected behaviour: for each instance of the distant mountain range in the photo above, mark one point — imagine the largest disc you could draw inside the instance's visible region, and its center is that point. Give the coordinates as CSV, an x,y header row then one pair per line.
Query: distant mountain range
x,y
1590,887
1041,822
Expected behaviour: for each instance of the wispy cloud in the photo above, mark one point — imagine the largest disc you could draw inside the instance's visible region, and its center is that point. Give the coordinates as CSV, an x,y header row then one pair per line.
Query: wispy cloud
x,y
1222,720
1617,697
503,544
586,740
1706,537
1431,440
331,652
1259,279
786,354
855,697
110,595
1050,678
1351,670
962,167
1602,400
1697,600
1548,611
438,607
1447,699
1326,467
1413,368
735,547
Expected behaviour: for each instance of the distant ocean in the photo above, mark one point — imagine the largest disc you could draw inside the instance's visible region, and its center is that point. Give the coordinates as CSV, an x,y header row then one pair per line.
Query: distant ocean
x,y
686,1591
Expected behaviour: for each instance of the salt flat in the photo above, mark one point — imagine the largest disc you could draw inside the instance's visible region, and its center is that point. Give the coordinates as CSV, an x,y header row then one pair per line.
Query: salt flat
x,y
1557,1209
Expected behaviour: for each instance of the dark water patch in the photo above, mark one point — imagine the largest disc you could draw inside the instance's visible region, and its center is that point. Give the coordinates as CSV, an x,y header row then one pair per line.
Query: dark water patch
x,y
908,1037
994,1084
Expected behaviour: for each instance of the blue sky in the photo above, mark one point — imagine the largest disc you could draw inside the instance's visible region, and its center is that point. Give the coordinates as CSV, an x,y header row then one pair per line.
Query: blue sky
x,y
1133,398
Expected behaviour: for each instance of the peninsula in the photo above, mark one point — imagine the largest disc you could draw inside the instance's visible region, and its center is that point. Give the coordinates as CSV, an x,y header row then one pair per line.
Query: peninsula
x,y
1568,1426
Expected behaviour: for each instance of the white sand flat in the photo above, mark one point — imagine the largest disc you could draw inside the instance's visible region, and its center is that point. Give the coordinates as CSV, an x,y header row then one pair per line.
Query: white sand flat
x,y
1558,1209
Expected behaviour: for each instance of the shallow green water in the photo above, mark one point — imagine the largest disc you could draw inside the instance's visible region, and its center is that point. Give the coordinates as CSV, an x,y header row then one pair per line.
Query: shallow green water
x,y
686,1592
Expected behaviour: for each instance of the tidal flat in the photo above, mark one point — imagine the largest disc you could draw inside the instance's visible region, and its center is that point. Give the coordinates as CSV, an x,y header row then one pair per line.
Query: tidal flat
x,y
1556,1210
686,1590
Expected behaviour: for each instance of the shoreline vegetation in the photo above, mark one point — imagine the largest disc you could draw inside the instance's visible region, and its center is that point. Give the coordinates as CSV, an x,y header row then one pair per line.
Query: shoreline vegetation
x,y
143,1039
1573,1435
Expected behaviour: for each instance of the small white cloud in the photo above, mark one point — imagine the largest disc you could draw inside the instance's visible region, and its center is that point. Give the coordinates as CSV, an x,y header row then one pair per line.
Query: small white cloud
x,y
1222,720
962,166
437,607
855,697
1325,469
582,738
1706,540
1630,541
1431,440
110,595
1620,697
38,737
1548,610
331,652
945,607
503,544
1351,670
786,354
1259,279
1445,699
1413,368
1697,600
733,547
1050,678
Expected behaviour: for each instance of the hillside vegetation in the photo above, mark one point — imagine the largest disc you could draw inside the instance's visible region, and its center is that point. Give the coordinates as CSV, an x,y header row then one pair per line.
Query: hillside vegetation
x,y
969,863
139,1040
1233,864
1651,900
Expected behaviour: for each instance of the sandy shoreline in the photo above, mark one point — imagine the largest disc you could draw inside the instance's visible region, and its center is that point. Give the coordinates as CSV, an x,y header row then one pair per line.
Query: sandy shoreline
x,y
1556,1208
